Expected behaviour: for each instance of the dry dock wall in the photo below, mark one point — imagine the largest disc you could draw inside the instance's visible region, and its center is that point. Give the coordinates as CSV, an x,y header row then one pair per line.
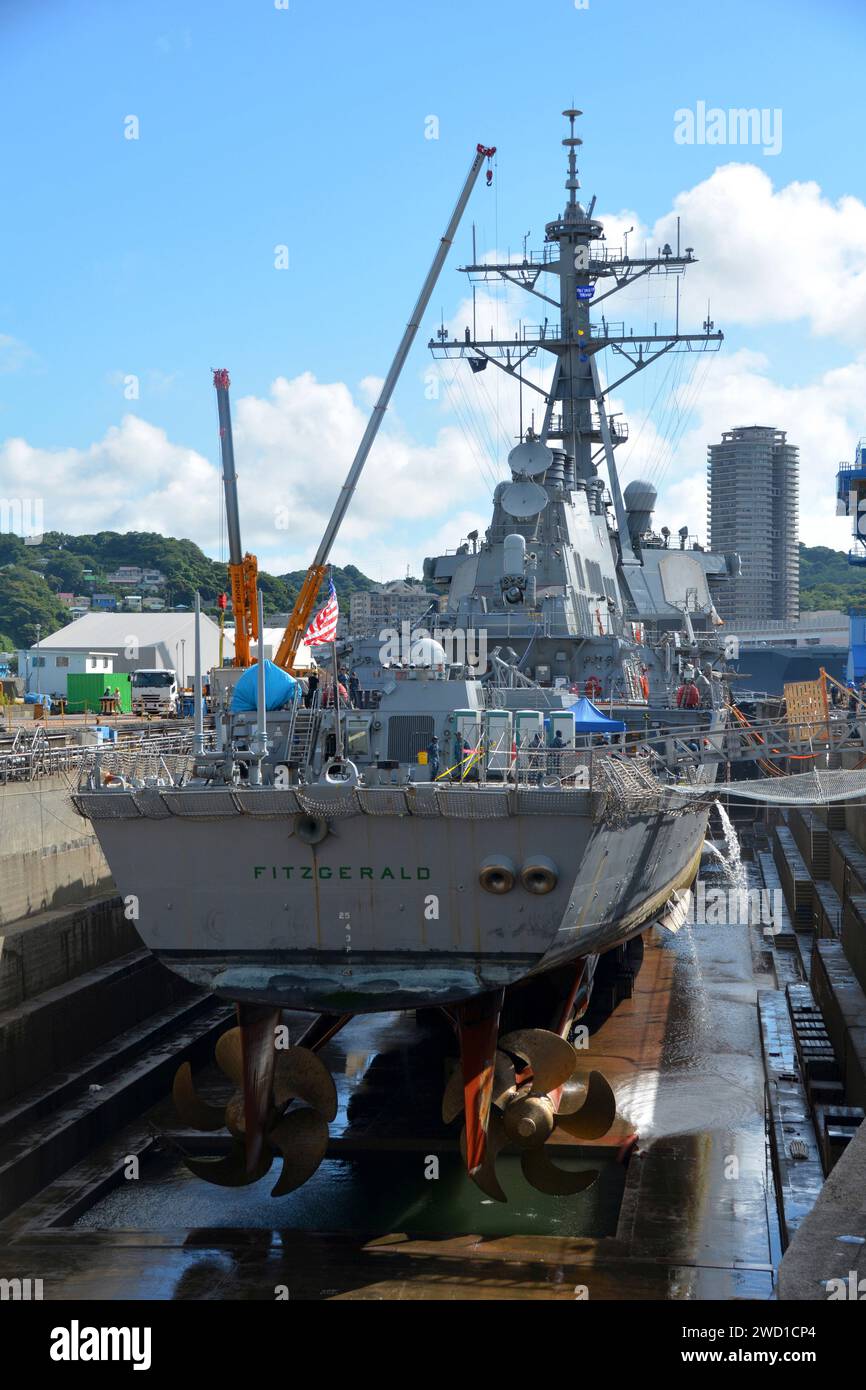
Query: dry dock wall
x,y
831,1243
49,856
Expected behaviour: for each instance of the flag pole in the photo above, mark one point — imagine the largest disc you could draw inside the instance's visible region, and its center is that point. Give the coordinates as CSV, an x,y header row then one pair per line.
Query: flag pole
x,y
337,728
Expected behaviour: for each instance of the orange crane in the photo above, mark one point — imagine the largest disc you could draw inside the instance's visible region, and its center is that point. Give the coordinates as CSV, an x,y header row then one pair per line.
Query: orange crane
x,y
243,569
300,616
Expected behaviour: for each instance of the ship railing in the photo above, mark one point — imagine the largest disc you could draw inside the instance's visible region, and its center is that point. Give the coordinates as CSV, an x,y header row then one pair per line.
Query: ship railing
x,y
42,759
166,759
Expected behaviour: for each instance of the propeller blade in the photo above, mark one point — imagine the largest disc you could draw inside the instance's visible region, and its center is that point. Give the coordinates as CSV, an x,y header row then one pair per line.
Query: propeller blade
x,y
194,1111
300,1075
484,1176
257,1025
544,1176
504,1082
229,1057
550,1057
302,1139
235,1120
452,1100
504,1086
230,1171
595,1116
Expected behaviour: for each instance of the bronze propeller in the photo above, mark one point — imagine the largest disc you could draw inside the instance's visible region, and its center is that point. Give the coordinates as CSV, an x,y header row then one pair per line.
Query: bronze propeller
x,y
258,1116
536,1089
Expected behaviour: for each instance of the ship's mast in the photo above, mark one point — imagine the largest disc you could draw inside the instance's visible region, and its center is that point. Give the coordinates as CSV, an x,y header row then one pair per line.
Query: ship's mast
x,y
575,411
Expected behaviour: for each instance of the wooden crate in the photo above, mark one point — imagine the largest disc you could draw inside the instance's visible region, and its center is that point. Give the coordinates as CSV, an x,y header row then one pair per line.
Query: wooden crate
x,y
828,912
843,1007
795,878
854,937
847,865
813,840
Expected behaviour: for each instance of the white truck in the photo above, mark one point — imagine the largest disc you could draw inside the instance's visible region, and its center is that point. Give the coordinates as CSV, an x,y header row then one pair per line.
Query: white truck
x,y
154,691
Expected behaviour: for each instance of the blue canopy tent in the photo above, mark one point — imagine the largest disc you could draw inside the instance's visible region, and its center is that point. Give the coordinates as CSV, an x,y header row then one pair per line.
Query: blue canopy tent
x,y
589,720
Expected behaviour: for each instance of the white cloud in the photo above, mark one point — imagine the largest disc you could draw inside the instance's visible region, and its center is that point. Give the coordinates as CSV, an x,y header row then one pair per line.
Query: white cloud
x,y
822,417
14,354
766,256
293,450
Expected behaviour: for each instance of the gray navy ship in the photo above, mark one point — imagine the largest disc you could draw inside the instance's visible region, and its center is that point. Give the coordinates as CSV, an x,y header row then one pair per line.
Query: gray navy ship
x,y
336,860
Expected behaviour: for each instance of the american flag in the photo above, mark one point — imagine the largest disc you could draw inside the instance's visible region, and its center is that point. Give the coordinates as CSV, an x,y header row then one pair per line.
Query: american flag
x,y
323,628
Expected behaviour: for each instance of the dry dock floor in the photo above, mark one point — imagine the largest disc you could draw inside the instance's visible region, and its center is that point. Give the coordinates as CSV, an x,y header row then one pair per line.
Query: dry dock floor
x,y
686,1213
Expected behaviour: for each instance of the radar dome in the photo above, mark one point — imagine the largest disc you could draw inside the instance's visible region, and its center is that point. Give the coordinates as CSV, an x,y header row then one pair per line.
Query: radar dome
x,y
523,498
532,458
427,652
640,496
640,500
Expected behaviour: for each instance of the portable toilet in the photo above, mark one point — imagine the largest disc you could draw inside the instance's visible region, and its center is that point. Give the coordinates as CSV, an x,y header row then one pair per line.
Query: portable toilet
x,y
562,722
528,723
498,738
467,725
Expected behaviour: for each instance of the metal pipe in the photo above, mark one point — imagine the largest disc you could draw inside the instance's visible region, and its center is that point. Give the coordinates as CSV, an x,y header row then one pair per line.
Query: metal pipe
x,y
396,367
198,725
260,742
626,548
338,732
230,478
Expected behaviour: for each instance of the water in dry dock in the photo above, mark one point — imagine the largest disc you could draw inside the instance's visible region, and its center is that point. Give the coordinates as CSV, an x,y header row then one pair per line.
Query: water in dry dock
x,y
687,1213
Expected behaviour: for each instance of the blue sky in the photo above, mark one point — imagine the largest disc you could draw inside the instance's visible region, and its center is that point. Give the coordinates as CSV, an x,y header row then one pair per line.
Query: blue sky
x,y
304,126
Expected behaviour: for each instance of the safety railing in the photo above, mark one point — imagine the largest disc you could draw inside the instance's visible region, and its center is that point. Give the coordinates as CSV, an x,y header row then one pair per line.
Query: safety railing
x,y
43,760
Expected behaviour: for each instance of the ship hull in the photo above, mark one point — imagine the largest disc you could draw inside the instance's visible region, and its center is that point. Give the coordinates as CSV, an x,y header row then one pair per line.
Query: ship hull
x,y
388,912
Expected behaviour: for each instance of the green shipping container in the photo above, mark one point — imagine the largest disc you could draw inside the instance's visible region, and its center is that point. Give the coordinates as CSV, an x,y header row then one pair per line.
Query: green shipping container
x,y
84,691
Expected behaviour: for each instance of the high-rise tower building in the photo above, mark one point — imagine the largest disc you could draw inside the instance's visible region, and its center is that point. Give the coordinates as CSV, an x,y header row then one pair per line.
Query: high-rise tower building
x,y
753,504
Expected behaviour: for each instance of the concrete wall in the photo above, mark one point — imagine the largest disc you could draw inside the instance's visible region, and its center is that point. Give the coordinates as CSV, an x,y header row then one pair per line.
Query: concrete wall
x,y
40,953
49,856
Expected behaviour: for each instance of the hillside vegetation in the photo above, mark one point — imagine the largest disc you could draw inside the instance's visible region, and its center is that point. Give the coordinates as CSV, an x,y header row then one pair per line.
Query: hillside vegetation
x,y
31,576
828,581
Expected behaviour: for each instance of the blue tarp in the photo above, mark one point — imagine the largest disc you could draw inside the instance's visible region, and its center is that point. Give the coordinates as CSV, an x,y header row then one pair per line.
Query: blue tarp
x,y
280,688
34,698
589,720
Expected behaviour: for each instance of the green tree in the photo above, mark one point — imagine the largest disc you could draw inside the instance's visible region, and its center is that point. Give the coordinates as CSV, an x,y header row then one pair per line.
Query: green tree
x,y
65,571
25,601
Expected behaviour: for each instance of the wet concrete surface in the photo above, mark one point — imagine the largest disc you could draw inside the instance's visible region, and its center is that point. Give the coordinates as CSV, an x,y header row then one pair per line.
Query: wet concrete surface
x,y
689,1213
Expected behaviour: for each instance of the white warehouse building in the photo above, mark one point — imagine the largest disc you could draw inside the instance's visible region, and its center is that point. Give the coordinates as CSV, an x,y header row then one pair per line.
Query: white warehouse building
x,y
109,642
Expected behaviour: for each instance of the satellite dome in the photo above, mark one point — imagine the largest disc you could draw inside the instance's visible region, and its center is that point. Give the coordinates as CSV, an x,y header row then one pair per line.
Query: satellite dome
x,y
427,652
532,458
523,498
640,496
